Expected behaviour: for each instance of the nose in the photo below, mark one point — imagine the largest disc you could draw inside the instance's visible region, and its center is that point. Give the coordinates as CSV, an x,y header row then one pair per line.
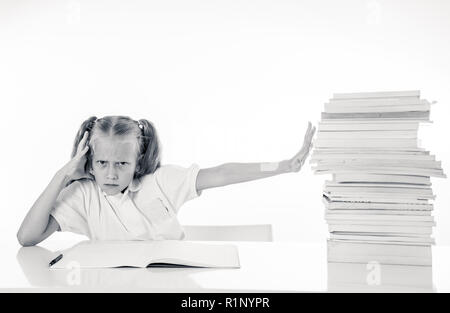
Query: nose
x,y
112,173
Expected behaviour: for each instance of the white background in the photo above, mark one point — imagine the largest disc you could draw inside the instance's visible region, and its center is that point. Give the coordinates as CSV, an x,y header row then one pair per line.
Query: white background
x,y
223,81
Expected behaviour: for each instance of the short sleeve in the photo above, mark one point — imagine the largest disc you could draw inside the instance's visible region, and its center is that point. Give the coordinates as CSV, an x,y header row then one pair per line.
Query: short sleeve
x,y
178,183
69,210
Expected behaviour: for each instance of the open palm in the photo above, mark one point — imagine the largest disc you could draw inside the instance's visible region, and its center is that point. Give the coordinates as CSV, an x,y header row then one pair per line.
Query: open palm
x,y
297,161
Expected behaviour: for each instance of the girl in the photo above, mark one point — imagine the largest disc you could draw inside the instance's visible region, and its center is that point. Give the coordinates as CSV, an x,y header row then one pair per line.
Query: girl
x,y
114,187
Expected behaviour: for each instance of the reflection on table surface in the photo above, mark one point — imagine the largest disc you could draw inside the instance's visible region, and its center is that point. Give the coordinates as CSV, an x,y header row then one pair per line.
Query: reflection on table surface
x,y
265,267
34,263
375,277
379,267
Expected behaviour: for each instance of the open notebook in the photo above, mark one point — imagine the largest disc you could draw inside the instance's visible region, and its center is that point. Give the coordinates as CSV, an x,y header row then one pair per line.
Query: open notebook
x,y
107,254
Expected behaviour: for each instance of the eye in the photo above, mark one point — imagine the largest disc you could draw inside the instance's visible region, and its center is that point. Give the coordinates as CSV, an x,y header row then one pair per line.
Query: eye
x,y
101,162
123,163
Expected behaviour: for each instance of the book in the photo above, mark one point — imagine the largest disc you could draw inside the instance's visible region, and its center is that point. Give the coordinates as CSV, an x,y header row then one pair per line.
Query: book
x,y
412,171
376,205
366,142
424,164
372,222
367,134
336,216
365,126
420,115
381,178
330,108
320,156
382,259
366,150
386,120
178,253
368,199
377,102
362,212
344,157
339,190
329,183
396,229
379,196
426,240
377,94
357,248
383,253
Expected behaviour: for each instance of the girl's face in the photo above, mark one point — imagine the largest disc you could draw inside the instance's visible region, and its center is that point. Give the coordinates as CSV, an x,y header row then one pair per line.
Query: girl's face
x,y
114,162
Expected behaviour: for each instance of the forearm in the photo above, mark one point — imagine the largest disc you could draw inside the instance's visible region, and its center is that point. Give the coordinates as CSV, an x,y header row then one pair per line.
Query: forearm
x,y
36,220
233,173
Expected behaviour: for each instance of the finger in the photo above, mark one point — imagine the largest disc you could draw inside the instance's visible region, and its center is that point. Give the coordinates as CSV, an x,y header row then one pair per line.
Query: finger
x,y
307,130
311,133
305,149
82,152
88,176
81,144
308,142
306,153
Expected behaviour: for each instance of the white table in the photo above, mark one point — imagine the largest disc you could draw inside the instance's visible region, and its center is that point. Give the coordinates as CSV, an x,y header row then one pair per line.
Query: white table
x,y
265,267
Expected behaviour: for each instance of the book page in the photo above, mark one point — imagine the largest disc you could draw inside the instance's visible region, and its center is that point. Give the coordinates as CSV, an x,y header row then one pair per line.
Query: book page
x,y
107,254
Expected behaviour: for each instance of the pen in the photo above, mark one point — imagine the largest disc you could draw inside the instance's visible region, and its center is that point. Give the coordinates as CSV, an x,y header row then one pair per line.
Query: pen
x,y
59,257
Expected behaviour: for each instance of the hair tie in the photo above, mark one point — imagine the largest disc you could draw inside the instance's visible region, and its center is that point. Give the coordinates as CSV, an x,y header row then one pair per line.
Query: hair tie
x,y
141,126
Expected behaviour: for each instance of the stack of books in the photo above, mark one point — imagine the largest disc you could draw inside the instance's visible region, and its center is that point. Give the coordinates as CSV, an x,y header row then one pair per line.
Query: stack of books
x,y
378,203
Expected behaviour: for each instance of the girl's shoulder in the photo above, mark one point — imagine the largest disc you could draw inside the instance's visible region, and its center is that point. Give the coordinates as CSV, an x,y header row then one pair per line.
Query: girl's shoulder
x,y
149,180
170,175
78,189
164,175
84,184
174,169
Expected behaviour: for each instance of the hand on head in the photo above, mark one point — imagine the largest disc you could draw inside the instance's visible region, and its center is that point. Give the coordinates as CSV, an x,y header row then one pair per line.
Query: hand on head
x,y
75,168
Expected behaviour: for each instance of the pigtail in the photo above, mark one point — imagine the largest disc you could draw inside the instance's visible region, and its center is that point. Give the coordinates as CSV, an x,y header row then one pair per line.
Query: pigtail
x,y
150,158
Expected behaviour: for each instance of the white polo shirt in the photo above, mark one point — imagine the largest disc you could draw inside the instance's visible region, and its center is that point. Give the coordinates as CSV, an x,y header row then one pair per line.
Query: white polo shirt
x,y
147,210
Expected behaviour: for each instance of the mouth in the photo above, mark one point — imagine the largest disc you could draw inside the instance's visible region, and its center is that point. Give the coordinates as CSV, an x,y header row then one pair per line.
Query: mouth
x,y
110,185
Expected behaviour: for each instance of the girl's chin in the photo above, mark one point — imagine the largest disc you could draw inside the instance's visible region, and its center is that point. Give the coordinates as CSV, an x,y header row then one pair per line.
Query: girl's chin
x,y
109,193
111,190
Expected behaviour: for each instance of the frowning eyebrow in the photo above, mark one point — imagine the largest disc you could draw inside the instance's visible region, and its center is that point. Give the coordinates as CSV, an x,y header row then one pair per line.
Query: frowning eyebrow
x,y
100,160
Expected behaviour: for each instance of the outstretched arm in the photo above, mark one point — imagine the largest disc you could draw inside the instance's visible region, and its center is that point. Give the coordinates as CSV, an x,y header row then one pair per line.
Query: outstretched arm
x,y
232,173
